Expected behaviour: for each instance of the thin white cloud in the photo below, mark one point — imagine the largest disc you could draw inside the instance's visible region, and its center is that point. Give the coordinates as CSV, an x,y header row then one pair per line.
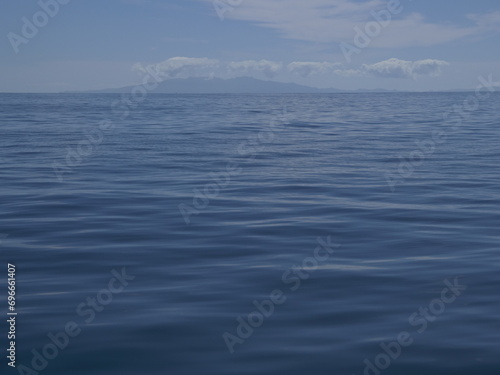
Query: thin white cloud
x,y
489,21
395,68
187,67
306,69
328,21
250,67
182,67
428,67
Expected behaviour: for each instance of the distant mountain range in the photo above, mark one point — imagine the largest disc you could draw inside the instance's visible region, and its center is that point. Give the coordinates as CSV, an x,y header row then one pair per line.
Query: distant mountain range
x,y
243,85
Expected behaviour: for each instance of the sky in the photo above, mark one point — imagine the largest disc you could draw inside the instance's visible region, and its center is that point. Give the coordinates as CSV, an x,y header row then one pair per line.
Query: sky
x,y
416,45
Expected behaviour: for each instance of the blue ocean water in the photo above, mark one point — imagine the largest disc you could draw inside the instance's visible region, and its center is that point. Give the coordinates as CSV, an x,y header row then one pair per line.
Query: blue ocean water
x,y
330,225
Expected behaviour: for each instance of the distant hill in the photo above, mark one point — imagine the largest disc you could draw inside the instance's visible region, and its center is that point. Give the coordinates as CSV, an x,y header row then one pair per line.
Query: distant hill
x,y
243,85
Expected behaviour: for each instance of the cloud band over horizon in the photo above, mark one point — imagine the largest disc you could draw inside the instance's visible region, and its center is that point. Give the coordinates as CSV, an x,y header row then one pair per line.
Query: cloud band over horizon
x,y
187,67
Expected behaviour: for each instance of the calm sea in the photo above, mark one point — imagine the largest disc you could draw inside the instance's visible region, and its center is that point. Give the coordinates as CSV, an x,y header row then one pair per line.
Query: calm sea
x,y
252,234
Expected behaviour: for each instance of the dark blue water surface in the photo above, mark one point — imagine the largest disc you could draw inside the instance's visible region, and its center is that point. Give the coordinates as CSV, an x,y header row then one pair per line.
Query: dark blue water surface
x,y
210,201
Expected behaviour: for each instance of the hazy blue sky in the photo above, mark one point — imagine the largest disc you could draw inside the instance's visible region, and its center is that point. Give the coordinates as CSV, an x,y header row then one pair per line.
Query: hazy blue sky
x,y
92,44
